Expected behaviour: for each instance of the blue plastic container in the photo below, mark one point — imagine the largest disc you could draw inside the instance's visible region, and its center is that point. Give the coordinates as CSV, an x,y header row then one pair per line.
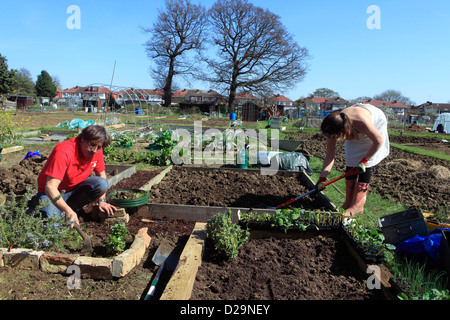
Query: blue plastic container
x,y
232,116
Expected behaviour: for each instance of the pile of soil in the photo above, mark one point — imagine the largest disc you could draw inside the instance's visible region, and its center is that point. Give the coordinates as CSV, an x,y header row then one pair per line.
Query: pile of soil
x,y
318,268
17,178
230,188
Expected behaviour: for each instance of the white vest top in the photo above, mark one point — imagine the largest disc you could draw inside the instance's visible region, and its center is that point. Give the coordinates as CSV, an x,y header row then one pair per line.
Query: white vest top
x,y
356,149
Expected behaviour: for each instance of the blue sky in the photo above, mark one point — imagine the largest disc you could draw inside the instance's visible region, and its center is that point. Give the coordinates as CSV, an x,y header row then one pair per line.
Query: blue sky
x,y
410,52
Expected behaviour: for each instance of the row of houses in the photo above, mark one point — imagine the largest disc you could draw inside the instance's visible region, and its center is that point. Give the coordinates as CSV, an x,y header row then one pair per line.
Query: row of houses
x,y
248,107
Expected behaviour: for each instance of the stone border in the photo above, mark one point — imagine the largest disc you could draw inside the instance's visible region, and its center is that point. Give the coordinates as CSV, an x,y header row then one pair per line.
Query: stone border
x,y
95,268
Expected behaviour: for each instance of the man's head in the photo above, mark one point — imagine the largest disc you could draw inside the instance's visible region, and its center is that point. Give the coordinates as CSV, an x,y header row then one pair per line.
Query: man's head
x,y
93,138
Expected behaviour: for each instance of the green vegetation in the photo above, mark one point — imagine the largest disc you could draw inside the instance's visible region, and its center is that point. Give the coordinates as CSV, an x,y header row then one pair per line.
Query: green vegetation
x,y
423,152
117,243
227,236
21,230
420,282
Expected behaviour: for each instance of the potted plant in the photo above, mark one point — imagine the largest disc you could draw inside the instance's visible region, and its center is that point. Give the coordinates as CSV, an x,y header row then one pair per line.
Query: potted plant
x,y
129,198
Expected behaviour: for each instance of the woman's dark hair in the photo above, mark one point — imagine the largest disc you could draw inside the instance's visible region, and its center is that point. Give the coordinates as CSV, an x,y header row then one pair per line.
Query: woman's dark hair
x,y
337,123
96,133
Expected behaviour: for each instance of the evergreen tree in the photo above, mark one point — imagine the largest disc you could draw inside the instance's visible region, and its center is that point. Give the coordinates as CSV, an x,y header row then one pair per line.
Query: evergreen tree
x,y
7,77
45,86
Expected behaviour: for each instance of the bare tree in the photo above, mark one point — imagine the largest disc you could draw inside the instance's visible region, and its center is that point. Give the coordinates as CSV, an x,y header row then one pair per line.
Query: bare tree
x,y
178,29
393,95
255,52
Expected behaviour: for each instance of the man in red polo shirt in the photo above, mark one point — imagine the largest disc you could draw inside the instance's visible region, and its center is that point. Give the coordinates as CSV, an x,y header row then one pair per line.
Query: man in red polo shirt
x,y
69,168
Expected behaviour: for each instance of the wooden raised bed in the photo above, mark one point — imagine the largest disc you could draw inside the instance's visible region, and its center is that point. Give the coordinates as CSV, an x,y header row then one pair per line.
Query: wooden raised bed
x,y
181,284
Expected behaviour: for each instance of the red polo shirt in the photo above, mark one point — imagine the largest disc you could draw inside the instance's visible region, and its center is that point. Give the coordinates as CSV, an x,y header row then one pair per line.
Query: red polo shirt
x,y
68,164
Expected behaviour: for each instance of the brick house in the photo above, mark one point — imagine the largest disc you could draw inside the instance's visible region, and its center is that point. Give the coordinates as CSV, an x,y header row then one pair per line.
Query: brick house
x,y
399,108
205,100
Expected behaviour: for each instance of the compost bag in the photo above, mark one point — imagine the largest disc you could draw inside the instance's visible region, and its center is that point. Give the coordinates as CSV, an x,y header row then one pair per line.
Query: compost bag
x,y
427,246
292,161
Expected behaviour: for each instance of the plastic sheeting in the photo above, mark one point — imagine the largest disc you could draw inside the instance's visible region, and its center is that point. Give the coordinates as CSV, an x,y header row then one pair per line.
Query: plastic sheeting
x,y
76,124
292,161
423,246
32,154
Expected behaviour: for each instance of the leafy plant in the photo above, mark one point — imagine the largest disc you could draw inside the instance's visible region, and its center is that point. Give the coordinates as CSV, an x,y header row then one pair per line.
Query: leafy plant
x,y
435,294
371,240
294,218
227,236
21,230
116,242
124,141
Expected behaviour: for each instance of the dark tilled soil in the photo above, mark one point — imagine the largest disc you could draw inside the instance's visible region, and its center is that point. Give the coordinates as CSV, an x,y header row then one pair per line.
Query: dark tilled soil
x,y
229,188
319,268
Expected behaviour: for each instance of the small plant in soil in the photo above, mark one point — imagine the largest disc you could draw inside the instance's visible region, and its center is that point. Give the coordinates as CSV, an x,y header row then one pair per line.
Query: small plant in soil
x,y
294,218
117,243
371,240
227,236
21,230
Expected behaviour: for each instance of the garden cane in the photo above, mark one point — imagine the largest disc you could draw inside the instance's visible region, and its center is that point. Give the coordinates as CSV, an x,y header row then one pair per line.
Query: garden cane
x,y
351,172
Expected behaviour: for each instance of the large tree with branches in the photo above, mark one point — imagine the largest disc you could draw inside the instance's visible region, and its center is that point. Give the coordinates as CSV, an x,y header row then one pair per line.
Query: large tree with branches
x,y
180,28
255,51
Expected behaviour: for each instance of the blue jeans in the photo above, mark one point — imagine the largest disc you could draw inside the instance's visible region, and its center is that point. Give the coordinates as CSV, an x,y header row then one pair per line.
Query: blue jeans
x,y
87,191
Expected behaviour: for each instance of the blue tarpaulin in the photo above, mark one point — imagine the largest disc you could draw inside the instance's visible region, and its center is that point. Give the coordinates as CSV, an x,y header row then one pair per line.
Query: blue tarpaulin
x,y
32,154
423,246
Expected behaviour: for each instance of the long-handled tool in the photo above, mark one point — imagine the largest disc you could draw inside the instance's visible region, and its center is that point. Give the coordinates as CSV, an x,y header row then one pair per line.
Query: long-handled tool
x,y
351,172
87,245
159,258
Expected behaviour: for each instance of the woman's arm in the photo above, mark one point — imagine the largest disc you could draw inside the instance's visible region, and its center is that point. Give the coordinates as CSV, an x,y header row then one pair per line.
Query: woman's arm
x,y
328,161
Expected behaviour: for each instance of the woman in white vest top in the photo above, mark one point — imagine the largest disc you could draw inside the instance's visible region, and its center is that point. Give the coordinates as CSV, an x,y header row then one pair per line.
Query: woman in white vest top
x,y
363,127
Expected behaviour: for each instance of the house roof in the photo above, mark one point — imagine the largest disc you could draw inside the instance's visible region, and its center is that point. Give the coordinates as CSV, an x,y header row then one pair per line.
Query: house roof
x,y
246,96
320,100
197,92
389,104
279,98
153,92
78,89
437,106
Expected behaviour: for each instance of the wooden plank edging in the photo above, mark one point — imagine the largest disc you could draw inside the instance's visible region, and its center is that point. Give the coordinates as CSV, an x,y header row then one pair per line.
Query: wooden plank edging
x,y
182,281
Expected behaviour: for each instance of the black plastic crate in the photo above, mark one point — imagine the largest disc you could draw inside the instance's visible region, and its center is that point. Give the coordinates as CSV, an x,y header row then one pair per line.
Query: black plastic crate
x,y
403,225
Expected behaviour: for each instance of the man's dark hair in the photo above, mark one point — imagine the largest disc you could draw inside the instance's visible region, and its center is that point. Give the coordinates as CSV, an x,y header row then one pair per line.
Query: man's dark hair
x,y
96,133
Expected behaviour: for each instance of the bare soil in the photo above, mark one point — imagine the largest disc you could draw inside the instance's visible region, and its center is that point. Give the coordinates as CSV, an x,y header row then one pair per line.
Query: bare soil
x,y
319,268
229,188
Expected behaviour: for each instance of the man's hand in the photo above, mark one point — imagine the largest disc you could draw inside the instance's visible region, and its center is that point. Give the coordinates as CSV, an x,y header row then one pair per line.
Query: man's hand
x,y
72,217
362,164
106,207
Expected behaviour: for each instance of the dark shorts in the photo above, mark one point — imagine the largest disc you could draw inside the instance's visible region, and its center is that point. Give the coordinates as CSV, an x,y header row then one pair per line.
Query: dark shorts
x,y
363,177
